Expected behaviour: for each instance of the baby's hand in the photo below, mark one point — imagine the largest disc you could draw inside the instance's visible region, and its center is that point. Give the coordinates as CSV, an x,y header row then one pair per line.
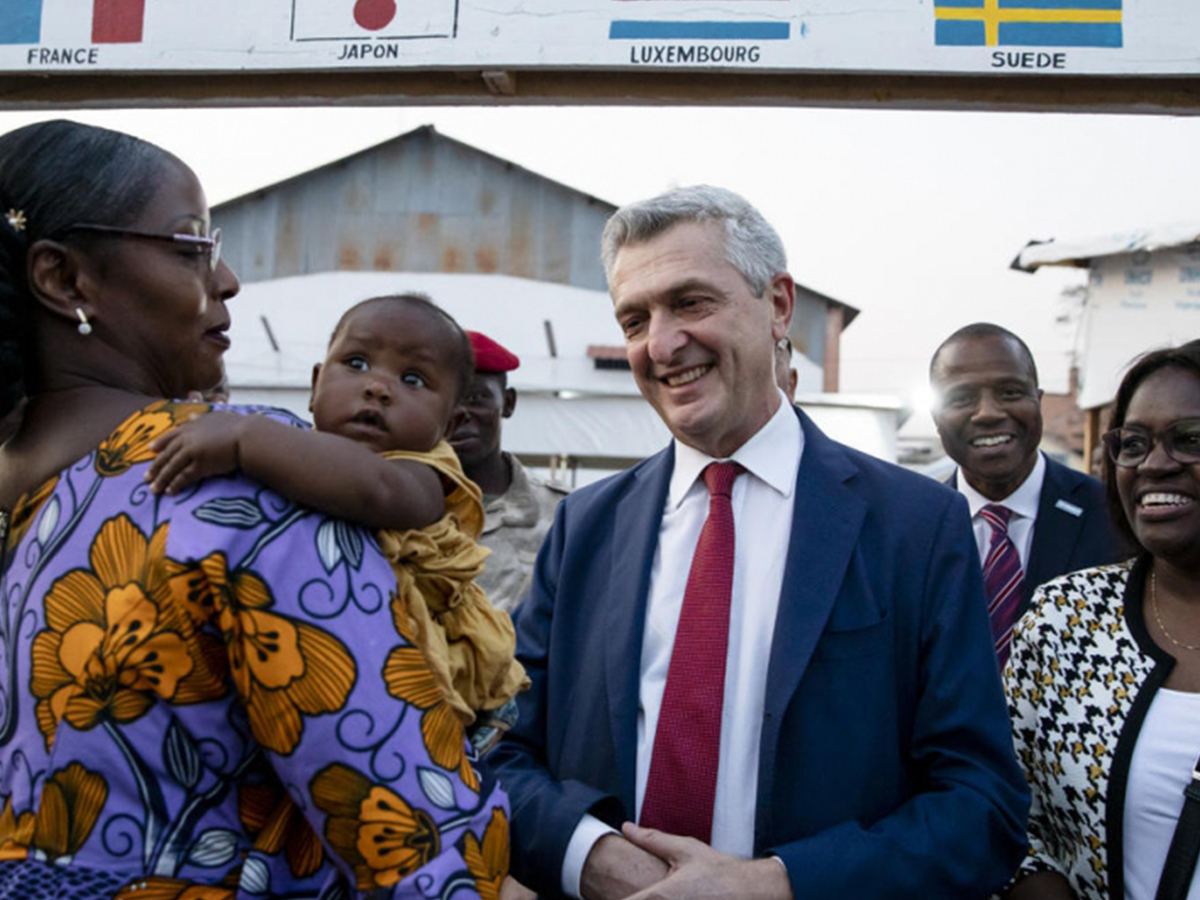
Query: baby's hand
x,y
205,446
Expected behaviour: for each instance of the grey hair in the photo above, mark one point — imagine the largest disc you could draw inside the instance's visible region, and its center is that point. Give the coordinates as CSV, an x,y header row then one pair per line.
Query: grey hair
x,y
752,246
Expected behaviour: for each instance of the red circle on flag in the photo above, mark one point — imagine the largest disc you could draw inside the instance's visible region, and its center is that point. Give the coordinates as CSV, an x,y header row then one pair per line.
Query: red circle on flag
x,y
374,14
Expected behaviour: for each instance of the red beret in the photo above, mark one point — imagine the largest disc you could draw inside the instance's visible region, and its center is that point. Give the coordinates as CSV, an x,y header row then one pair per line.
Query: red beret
x,y
490,356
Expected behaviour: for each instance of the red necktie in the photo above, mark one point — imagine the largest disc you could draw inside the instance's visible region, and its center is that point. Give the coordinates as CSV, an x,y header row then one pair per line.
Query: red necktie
x,y
1002,579
682,784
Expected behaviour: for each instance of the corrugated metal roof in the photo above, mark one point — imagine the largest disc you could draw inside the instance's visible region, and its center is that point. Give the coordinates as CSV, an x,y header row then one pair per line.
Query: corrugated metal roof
x,y
420,202
1081,252
422,131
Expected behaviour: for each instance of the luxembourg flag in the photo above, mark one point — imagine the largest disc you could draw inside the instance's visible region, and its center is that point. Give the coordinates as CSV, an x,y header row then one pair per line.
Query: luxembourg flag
x,y
694,30
113,21
347,20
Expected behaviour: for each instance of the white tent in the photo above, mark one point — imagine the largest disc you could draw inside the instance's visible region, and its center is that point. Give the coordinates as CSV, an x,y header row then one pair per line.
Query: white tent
x,y
568,409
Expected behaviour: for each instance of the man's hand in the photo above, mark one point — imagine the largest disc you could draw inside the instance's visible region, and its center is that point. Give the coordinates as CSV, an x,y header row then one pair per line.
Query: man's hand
x,y
698,872
511,889
1043,886
205,446
616,868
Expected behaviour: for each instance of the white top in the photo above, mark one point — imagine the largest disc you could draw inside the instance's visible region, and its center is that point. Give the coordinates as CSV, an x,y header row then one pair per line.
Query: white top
x,y
1024,505
1161,767
762,500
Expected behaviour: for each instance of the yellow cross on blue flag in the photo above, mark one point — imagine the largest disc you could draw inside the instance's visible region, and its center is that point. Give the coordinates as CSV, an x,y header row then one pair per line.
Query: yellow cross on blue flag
x,y
1028,23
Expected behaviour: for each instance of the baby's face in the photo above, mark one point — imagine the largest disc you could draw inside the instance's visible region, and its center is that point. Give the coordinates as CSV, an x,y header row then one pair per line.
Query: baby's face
x,y
388,380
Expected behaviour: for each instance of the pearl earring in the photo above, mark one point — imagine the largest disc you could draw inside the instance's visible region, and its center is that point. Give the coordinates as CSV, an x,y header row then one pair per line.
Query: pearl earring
x,y
85,327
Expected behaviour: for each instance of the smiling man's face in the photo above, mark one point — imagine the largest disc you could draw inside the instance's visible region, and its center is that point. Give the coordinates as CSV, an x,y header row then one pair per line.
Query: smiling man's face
x,y
989,412
700,343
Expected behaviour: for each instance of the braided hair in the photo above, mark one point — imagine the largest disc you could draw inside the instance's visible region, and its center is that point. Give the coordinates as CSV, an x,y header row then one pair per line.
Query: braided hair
x,y
54,175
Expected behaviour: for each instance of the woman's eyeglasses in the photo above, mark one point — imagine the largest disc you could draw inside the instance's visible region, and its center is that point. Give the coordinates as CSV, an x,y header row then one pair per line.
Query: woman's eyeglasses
x,y
1129,447
209,247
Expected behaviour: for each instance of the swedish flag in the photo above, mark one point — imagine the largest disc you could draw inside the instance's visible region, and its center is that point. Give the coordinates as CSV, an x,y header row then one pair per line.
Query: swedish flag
x,y
1028,23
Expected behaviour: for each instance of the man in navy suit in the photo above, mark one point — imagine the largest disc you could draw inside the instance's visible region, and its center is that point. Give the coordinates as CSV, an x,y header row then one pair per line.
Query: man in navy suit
x,y
989,416
864,747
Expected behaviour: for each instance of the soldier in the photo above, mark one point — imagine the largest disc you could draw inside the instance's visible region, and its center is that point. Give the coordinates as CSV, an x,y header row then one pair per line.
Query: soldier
x,y
518,506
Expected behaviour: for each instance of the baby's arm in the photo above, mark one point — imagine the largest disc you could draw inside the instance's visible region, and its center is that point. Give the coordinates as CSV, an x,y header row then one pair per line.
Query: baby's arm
x,y
324,471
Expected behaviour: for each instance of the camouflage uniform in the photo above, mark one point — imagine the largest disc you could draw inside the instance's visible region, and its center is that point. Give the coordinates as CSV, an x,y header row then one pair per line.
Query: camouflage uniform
x,y
515,524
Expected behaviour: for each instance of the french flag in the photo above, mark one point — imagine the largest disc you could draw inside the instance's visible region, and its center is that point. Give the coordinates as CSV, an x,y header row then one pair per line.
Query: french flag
x,y
113,21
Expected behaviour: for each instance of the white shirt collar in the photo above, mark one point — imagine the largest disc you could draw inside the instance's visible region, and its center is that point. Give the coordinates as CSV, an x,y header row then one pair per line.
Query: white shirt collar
x,y
1023,501
772,455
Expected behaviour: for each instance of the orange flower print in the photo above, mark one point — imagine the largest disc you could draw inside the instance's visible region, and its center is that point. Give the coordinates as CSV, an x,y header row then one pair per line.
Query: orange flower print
x,y
408,678
72,799
373,828
280,668
155,887
26,510
488,863
16,832
130,443
275,822
114,642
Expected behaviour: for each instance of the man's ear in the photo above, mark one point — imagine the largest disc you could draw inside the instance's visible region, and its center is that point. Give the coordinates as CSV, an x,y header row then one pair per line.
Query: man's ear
x,y
61,281
313,393
510,402
782,294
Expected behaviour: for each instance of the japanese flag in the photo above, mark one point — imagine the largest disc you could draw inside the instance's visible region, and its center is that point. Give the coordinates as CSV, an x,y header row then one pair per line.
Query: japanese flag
x,y
355,19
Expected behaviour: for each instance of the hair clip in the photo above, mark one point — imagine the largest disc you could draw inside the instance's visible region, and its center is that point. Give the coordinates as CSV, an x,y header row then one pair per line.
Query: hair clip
x,y
16,219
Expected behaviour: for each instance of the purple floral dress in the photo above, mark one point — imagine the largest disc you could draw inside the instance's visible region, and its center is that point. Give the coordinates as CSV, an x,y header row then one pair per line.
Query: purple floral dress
x,y
217,696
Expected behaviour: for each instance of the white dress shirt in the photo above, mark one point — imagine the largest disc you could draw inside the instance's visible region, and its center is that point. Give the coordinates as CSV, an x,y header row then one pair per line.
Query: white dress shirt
x,y
763,500
1159,770
1024,505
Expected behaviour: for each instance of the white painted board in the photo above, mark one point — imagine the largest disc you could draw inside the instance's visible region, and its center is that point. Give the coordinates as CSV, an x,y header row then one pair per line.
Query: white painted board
x,y
1090,37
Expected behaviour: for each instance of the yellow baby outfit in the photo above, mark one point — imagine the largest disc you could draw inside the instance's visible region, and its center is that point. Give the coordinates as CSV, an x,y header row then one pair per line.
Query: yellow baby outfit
x,y
468,643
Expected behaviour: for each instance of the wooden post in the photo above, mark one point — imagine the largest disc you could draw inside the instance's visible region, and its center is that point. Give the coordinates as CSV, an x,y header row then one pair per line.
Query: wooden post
x,y
834,319
1091,437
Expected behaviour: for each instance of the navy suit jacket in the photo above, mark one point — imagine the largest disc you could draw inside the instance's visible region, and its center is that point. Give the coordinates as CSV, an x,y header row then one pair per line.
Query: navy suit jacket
x,y
1073,529
886,767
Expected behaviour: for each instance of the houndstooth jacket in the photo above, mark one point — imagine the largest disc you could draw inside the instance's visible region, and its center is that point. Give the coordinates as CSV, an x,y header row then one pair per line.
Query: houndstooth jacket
x,y
1080,680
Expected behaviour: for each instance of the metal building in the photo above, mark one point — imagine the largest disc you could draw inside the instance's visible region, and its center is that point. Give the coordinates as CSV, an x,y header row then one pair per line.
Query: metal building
x,y
420,202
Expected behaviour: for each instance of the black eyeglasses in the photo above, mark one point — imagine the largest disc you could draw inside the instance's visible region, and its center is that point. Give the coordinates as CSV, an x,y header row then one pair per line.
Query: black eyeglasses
x,y
1129,447
209,247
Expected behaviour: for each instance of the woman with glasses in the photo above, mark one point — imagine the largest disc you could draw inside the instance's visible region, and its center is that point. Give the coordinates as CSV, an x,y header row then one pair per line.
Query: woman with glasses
x,y
1104,678
202,697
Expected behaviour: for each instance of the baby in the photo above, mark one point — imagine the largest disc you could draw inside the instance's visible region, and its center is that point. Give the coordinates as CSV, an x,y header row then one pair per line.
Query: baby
x,y
385,398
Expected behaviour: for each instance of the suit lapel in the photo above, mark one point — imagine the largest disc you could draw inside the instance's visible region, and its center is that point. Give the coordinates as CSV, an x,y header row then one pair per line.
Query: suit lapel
x,y
825,526
1055,532
634,541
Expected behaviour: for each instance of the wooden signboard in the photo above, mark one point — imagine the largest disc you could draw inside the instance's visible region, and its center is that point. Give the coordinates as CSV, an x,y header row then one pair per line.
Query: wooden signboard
x,y
1126,54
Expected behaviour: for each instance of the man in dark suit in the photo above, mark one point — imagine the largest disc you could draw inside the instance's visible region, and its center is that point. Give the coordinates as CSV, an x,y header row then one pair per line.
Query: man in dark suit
x,y
855,743
989,416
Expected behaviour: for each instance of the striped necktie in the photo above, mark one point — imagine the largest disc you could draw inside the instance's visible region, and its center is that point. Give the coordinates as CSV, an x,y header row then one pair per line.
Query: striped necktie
x,y
1002,579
